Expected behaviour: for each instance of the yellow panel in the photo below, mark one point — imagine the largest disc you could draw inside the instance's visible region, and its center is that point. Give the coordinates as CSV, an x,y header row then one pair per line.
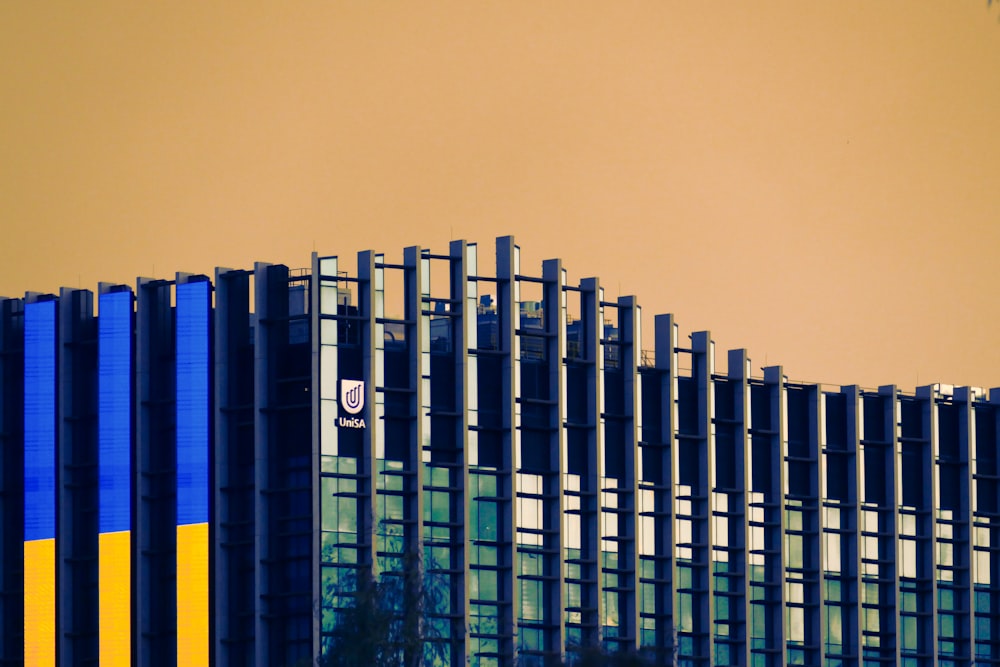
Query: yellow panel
x,y
115,568
40,603
192,594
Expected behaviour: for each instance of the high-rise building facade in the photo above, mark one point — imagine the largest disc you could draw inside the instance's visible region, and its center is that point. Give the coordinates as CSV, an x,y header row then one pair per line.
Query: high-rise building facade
x,y
196,470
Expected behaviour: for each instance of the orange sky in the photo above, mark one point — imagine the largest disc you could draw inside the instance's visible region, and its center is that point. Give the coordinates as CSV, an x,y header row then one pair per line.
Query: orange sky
x,y
817,182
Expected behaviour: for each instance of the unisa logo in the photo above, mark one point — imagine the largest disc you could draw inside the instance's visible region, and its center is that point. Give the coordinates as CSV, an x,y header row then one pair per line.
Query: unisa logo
x,y
352,401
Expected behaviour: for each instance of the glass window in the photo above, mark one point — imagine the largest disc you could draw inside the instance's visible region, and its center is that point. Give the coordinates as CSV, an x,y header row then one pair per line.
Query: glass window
x,y
328,299
871,621
721,607
531,563
685,577
944,529
870,594
908,558
574,594
609,523
946,599
436,506
982,567
794,555
870,520
945,554
436,557
908,524
796,624
531,599
685,604
647,535
328,487
393,507
833,590
487,527
982,628
908,629
832,544
529,513
683,531
833,625
946,626
721,530
648,598
347,515
530,640
483,584
573,535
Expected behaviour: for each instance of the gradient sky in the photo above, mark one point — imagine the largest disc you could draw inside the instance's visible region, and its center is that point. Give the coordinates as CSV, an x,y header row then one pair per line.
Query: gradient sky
x,y
816,182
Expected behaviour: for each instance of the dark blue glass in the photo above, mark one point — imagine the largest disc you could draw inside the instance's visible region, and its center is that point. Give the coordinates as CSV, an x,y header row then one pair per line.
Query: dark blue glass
x,y
114,389
40,420
193,401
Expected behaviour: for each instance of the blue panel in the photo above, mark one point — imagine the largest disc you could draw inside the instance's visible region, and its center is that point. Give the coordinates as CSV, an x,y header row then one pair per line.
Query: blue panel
x,y
193,401
114,395
40,420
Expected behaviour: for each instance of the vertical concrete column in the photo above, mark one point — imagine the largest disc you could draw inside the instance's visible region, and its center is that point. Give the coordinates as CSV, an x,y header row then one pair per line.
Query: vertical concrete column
x,y
508,314
415,278
592,315
554,300
316,447
703,367
154,542
987,493
232,328
630,342
738,372
11,480
823,557
927,626
263,363
369,279
852,627
891,409
268,280
814,578
775,380
76,481
462,264
965,632
666,334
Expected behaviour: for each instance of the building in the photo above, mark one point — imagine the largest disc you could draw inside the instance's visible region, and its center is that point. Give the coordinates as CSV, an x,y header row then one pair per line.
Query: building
x,y
195,470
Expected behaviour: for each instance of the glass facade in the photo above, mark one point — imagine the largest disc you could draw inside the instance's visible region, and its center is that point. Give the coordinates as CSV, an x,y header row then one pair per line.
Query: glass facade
x,y
217,471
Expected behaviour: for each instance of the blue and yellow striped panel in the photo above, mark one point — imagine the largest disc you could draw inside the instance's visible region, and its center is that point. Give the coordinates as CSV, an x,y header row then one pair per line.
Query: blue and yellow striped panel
x,y
114,431
40,602
115,573
40,483
192,594
193,346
